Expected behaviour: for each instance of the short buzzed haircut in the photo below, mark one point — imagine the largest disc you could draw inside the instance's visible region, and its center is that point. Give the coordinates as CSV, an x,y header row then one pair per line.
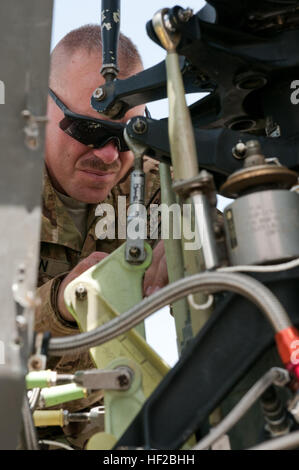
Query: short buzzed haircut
x,y
88,37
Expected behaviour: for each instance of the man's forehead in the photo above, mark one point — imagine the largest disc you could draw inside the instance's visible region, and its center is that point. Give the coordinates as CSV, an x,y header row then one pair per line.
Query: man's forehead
x,y
77,77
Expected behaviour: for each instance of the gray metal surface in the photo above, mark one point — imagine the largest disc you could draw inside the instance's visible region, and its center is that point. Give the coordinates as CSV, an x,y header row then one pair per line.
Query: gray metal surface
x,y
136,218
25,31
263,227
205,230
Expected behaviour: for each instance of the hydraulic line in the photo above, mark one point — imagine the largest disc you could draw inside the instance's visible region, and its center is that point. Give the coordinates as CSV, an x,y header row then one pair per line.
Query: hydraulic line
x,y
212,282
274,375
290,441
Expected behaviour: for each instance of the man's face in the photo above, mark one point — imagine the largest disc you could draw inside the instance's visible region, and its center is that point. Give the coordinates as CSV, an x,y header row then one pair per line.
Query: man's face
x,y
75,169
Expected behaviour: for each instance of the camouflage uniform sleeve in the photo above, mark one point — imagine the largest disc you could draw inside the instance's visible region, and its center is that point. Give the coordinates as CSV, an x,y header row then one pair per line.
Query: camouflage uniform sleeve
x,y
47,316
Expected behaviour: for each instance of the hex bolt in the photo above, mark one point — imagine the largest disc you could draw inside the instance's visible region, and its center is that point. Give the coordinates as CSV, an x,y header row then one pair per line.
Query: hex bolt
x,y
21,322
125,377
254,154
81,292
35,363
99,94
139,126
239,150
134,251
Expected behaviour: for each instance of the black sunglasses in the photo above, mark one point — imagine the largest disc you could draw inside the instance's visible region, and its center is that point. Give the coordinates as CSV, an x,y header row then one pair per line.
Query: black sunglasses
x,y
90,131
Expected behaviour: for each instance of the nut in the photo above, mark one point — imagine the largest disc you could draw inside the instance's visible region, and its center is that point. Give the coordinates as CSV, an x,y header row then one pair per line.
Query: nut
x,y
81,292
239,150
35,362
139,126
21,322
99,94
123,380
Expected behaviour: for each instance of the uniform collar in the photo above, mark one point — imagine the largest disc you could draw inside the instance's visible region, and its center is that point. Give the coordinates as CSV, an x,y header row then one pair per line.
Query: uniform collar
x,y
57,225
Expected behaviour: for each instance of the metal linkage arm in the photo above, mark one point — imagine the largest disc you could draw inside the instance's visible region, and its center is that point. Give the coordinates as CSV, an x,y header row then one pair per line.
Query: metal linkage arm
x,y
93,379
117,97
214,146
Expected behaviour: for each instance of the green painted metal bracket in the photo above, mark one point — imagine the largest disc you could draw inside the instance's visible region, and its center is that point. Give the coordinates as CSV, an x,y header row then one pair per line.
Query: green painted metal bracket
x,y
121,282
97,296
108,289
117,282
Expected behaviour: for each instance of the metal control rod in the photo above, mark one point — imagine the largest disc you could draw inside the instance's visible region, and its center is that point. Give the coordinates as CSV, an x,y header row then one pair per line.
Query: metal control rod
x,y
93,379
181,137
137,217
110,23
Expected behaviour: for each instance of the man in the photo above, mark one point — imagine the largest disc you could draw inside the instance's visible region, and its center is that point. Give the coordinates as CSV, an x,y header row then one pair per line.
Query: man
x,y
77,178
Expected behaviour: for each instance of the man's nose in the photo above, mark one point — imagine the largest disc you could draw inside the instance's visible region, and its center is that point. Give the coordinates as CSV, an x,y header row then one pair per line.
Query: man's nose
x,y
108,154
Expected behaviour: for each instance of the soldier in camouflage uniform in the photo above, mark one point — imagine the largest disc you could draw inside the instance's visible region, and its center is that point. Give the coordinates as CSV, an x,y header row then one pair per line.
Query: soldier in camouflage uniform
x,y
76,179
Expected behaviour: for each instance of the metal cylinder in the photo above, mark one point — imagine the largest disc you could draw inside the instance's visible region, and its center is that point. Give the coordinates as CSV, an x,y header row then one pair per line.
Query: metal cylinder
x,y
205,230
49,417
135,210
263,227
137,217
182,144
110,23
137,187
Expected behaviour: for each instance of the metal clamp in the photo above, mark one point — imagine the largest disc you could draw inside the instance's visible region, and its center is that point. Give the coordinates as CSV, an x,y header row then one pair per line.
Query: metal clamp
x,y
203,182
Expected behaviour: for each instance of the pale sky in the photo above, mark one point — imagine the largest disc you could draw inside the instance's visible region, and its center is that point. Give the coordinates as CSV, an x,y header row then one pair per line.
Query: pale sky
x,y
70,14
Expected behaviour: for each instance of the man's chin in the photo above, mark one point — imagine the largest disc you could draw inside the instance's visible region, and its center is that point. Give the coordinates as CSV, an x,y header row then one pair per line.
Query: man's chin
x,y
92,196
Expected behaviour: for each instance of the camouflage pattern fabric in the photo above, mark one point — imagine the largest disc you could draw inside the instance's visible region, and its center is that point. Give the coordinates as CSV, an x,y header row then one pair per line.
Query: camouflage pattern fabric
x,y
62,248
